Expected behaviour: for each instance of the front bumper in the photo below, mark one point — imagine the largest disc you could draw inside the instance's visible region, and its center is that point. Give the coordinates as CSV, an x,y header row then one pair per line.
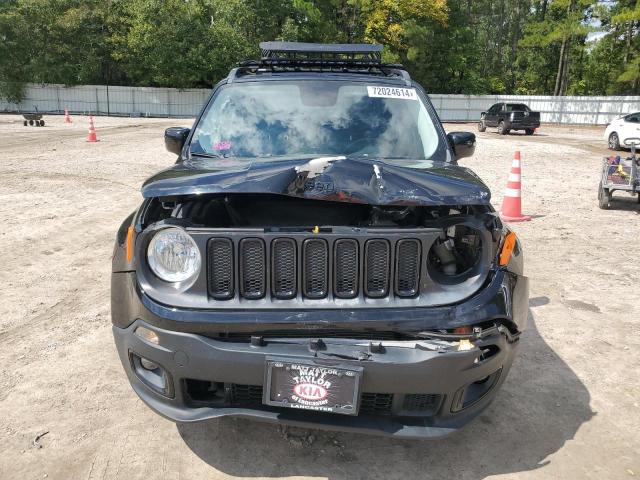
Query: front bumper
x,y
426,388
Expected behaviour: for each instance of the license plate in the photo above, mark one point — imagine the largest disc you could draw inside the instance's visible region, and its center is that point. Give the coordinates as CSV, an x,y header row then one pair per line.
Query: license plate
x,y
309,386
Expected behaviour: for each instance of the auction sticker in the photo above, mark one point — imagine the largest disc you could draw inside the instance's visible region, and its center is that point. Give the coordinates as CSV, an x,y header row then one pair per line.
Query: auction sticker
x,y
392,92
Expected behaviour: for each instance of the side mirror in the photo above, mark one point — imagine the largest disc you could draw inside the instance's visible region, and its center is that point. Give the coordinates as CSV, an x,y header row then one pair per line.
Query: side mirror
x,y
174,139
462,143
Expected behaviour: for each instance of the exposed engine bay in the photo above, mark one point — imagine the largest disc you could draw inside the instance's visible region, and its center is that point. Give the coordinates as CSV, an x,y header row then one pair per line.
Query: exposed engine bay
x,y
456,251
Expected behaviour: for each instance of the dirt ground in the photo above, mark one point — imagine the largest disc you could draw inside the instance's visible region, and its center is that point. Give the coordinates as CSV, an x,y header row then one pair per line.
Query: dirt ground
x,y
570,408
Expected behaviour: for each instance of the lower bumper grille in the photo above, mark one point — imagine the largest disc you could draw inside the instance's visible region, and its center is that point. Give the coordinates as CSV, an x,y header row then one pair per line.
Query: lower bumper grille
x,y
420,403
216,394
246,394
376,403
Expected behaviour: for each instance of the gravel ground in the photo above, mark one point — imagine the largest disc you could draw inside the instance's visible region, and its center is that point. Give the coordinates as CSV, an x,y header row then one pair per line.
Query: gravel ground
x,y
570,408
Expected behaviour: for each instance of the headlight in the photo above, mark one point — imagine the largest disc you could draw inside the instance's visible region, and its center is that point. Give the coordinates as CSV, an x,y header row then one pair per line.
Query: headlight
x,y
173,255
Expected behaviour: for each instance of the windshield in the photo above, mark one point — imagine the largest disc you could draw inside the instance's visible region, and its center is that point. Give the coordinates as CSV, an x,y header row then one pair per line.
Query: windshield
x,y
307,117
517,107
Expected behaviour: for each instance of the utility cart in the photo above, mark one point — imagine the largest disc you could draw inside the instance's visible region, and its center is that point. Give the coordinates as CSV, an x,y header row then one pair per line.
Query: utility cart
x,y
33,118
619,174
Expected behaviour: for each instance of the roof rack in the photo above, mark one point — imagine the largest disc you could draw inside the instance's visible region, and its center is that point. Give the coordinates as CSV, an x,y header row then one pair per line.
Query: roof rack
x,y
322,57
328,53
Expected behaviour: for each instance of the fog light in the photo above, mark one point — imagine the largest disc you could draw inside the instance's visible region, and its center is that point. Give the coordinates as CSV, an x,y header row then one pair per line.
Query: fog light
x,y
147,335
148,364
152,374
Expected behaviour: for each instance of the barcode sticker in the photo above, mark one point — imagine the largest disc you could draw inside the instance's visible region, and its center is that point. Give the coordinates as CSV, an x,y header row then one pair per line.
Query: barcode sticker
x,y
392,92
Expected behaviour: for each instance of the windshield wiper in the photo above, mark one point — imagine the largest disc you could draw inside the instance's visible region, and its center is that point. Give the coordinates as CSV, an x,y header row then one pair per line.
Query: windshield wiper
x,y
205,154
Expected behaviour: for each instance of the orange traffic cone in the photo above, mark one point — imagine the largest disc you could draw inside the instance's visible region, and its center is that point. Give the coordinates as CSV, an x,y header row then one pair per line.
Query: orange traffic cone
x,y
92,131
511,210
67,118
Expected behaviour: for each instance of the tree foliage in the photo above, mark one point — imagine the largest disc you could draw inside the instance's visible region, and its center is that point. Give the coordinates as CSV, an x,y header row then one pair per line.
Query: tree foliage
x,y
557,47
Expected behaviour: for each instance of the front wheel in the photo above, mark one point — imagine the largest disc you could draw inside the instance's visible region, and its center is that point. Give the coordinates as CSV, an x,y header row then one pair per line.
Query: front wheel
x,y
502,128
614,141
529,131
481,126
604,197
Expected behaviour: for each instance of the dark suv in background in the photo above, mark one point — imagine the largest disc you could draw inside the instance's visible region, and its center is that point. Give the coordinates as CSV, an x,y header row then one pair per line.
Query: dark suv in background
x,y
316,256
510,116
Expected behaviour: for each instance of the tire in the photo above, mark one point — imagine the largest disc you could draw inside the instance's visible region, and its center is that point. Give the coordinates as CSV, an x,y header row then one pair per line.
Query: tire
x,y
25,123
42,123
37,123
614,141
31,123
529,131
502,129
481,126
604,197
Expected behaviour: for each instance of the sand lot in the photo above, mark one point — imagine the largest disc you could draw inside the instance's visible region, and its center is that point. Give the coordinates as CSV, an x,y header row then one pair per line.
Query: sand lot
x,y
569,410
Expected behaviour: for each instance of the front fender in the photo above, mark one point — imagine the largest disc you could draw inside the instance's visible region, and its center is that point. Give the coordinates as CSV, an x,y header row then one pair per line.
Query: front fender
x,y
119,261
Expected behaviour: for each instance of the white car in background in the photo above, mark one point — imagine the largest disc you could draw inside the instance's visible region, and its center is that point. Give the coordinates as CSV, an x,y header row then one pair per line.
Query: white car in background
x,y
621,129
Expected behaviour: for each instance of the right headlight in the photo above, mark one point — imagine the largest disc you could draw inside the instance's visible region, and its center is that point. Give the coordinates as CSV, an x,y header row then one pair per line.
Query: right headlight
x,y
173,255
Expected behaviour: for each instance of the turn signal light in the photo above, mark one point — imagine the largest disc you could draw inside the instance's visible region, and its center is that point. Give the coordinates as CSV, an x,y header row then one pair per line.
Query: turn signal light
x,y
129,244
148,335
507,248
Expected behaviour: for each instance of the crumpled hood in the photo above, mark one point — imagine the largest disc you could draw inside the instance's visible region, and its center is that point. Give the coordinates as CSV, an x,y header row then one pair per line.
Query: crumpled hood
x,y
353,180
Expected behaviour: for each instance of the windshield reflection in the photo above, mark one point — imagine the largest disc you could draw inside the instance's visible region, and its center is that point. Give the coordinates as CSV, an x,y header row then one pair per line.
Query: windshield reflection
x,y
261,120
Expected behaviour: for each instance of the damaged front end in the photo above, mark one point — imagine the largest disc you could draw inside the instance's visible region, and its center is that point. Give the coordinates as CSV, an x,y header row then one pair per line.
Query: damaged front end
x,y
268,239
396,271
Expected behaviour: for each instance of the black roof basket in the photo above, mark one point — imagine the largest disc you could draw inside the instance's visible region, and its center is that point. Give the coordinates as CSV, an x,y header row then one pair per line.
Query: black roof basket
x,y
342,53
323,57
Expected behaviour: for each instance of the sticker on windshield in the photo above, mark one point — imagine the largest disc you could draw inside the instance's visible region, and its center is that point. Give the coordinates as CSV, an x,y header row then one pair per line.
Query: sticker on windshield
x,y
222,145
392,92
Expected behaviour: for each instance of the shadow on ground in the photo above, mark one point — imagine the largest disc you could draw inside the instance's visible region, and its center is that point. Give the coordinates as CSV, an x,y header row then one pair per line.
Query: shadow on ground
x,y
541,406
624,201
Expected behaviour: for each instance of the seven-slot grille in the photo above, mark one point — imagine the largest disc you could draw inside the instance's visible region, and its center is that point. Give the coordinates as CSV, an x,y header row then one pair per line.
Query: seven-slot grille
x,y
313,268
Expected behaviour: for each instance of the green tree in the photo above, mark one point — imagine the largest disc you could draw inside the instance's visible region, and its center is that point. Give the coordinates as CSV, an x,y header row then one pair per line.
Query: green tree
x,y
450,46
183,44
563,26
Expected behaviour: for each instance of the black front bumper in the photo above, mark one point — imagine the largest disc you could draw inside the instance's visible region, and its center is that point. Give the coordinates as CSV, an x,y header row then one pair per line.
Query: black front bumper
x,y
410,388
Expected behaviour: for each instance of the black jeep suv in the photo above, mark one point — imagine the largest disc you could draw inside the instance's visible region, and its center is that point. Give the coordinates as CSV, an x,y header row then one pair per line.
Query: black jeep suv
x,y
317,257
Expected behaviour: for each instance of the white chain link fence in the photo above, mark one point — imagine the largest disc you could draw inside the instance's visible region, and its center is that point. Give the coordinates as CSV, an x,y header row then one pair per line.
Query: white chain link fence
x,y
171,102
